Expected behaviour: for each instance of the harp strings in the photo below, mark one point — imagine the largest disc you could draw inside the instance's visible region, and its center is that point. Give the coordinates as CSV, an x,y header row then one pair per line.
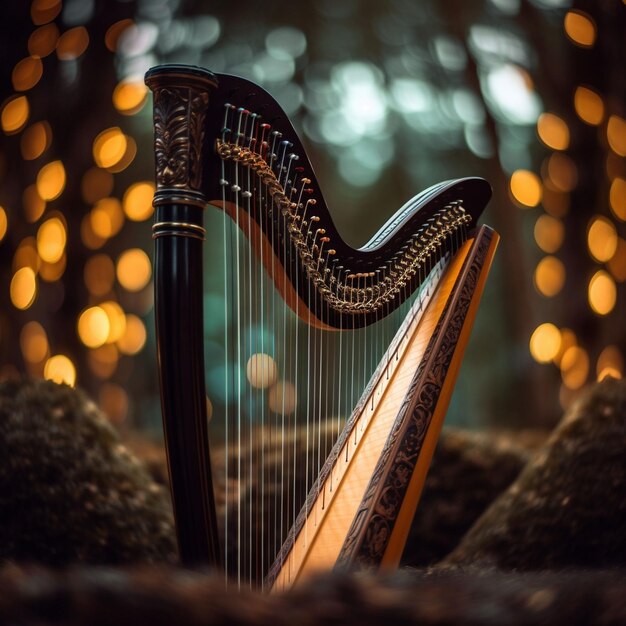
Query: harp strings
x,y
289,386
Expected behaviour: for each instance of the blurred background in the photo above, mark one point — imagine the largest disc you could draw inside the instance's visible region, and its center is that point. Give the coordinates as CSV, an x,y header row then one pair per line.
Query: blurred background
x,y
390,97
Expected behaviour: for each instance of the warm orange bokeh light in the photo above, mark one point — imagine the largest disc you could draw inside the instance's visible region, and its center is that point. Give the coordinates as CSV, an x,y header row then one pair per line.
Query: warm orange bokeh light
x,y
23,288
549,276
574,367
526,188
35,140
545,343
51,240
117,320
601,239
138,201
602,293
93,327
34,342
562,172
15,115
113,401
580,28
103,360
33,204
134,337
549,233
99,274
43,40
107,218
129,96
553,131
114,32
51,180
96,184
27,73
60,369
4,223
610,363
616,134
134,269
617,264
589,106
109,147
617,198
44,11
72,43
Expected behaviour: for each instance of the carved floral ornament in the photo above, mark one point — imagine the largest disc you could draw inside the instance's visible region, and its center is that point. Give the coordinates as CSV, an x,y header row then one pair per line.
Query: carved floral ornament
x,y
179,115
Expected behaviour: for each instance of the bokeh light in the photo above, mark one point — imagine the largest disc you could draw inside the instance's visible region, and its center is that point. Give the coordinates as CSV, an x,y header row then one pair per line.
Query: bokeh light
x,y
616,134
35,140
575,367
60,369
99,274
549,233
553,131
117,320
109,147
44,11
601,239
617,198
27,73
562,172
107,218
15,114
4,223
103,361
72,43
23,288
43,40
130,96
133,269
51,272
134,337
93,327
545,343
617,263
96,184
526,188
589,106
580,28
568,339
34,342
549,276
51,180
282,398
51,240
610,363
34,205
261,370
602,293
114,32
113,400
138,201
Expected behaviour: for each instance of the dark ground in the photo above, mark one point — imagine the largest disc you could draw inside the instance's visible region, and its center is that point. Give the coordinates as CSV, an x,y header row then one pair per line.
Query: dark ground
x,y
513,531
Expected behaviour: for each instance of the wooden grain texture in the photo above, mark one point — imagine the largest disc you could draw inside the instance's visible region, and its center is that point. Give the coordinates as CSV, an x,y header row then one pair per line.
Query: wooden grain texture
x,y
342,517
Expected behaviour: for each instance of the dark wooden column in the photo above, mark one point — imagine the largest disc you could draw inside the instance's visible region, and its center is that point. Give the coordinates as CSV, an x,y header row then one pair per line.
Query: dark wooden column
x,y
181,97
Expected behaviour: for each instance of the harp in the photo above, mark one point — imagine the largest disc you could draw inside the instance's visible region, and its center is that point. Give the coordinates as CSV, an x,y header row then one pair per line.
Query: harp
x,y
337,364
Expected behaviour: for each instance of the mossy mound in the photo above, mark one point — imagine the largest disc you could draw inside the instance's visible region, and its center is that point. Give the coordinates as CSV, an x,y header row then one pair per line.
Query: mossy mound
x,y
69,491
568,506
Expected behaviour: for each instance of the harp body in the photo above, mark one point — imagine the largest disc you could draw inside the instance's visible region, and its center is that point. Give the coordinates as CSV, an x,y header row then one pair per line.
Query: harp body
x,y
223,141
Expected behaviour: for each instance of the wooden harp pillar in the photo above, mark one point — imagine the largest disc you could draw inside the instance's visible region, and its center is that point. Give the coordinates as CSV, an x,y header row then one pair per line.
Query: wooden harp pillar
x,y
181,98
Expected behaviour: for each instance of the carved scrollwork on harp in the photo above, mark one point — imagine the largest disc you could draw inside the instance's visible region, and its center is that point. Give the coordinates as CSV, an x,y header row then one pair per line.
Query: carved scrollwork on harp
x,y
211,149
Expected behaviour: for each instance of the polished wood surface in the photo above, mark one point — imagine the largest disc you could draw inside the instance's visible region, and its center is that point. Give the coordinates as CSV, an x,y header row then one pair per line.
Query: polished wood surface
x,y
320,540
